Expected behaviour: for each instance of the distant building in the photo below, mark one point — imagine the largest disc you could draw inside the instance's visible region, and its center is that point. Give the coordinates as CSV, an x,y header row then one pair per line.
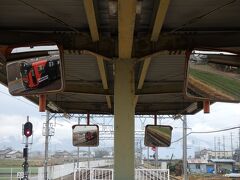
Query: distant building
x,y
36,154
62,154
83,154
209,154
3,152
14,155
218,166
199,166
236,155
223,166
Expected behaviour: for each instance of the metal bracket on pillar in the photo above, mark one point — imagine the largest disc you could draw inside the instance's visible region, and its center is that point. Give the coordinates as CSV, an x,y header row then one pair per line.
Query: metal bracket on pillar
x,y
206,106
42,103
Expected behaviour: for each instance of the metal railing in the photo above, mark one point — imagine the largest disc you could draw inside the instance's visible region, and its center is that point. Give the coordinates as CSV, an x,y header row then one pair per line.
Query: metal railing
x,y
154,174
90,174
93,174
107,174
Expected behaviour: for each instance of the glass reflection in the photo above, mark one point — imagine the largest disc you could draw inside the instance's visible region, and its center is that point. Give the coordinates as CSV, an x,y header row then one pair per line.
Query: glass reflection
x,y
158,136
85,136
214,76
35,75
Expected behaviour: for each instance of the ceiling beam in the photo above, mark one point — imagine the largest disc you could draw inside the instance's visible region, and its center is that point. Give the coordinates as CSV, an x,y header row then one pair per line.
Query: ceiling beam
x,y
141,48
148,108
224,59
89,9
75,107
103,76
126,23
143,74
26,55
161,89
160,17
86,88
158,108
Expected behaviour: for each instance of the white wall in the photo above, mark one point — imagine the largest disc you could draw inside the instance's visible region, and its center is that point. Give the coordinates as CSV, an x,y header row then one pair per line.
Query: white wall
x,y
65,169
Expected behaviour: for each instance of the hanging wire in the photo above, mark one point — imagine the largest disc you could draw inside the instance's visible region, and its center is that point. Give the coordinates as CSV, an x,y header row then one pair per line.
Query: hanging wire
x,y
198,18
207,132
50,16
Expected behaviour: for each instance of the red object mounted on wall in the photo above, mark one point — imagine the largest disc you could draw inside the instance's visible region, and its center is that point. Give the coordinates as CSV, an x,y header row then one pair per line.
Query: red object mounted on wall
x,y
206,106
42,103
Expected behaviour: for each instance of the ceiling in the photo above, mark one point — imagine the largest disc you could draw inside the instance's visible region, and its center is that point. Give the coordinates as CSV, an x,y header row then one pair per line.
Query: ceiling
x,y
156,34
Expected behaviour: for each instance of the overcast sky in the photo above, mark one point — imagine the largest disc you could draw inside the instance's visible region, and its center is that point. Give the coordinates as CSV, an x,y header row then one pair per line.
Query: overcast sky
x,y
14,111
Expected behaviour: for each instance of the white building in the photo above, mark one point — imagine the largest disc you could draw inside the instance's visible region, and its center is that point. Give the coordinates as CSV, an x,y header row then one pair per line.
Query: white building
x,y
14,154
198,165
210,154
3,152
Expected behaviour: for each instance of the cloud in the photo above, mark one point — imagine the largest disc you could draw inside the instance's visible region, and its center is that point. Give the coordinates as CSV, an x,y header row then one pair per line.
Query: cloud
x,y
11,132
13,114
222,115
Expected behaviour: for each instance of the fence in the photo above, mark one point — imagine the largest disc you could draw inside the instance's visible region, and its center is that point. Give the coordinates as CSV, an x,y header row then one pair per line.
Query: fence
x,y
59,171
107,174
93,174
83,173
156,174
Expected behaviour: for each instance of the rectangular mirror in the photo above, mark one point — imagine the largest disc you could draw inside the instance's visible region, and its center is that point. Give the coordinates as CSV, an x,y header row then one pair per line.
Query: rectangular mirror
x,y
214,76
158,136
34,70
85,135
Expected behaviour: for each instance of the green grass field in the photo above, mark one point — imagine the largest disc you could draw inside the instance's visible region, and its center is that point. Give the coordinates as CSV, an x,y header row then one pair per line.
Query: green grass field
x,y
32,170
18,163
7,173
10,163
10,167
226,85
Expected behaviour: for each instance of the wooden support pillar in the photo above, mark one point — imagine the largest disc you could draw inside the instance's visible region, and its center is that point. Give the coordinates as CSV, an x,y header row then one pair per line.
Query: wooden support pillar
x,y
124,111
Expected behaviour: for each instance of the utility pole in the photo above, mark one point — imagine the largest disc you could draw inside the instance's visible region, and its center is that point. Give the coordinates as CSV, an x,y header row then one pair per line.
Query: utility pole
x,y
238,150
46,145
224,155
141,153
219,148
232,144
239,139
185,147
148,158
78,149
215,147
156,148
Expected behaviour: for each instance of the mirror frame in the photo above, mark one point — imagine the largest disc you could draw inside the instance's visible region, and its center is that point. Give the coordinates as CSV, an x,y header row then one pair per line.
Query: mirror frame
x,y
195,98
145,134
86,125
13,59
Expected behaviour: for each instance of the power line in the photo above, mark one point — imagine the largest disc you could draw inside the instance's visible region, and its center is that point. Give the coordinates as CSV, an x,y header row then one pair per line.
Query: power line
x,y
198,18
18,99
208,132
50,16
